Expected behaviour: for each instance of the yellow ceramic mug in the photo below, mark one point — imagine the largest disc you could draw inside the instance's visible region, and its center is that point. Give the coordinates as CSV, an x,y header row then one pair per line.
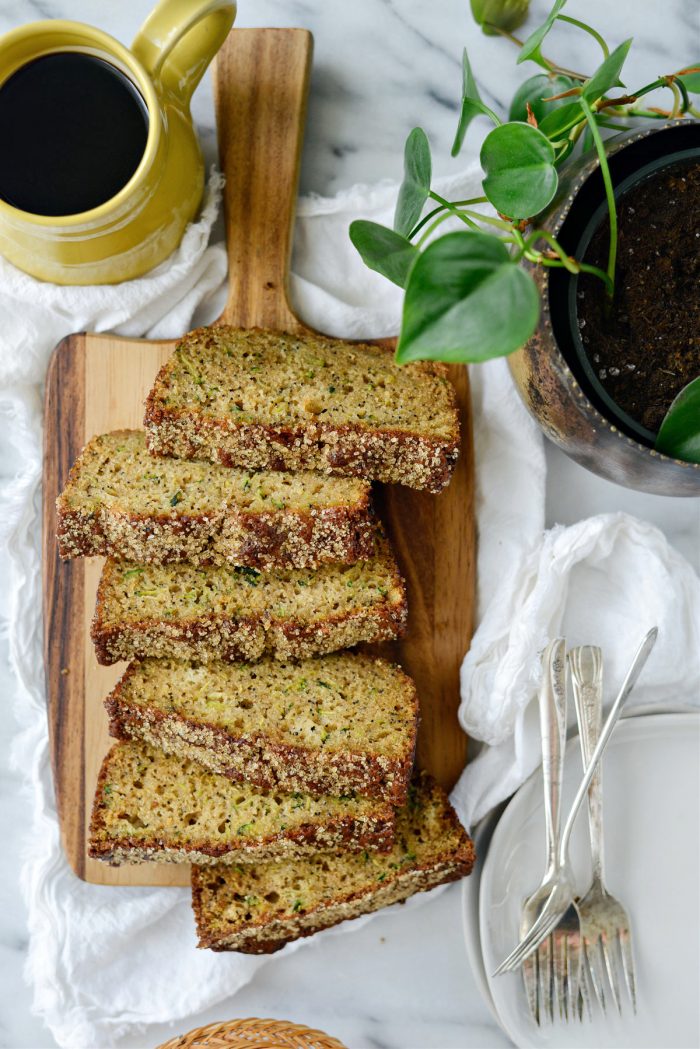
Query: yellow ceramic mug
x,y
144,221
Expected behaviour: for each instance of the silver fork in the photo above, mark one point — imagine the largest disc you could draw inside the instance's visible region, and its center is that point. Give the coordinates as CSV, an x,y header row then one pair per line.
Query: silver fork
x,y
562,894
551,974
605,926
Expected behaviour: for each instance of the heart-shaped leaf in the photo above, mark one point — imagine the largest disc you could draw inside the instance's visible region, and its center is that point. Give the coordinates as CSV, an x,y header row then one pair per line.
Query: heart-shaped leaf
x,y
607,74
561,120
417,172
679,435
472,106
534,91
466,300
493,15
691,81
521,178
383,250
531,47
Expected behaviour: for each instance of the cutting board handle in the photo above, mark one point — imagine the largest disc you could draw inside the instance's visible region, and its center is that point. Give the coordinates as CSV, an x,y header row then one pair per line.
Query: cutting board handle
x,y
261,85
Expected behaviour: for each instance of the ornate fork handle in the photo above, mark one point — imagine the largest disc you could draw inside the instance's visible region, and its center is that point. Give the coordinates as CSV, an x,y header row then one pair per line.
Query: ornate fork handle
x,y
552,700
586,665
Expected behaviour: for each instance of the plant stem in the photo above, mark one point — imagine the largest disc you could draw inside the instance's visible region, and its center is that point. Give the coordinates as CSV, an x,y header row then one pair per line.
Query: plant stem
x,y
547,237
677,101
450,207
587,29
551,66
438,221
489,219
457,203
609,193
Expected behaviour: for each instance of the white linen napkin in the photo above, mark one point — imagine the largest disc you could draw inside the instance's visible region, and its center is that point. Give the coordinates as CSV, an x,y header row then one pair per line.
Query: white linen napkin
x,y
104,961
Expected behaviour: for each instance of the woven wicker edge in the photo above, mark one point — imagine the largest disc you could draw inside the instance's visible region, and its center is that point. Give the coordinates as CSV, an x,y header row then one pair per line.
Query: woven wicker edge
x,y
253,1033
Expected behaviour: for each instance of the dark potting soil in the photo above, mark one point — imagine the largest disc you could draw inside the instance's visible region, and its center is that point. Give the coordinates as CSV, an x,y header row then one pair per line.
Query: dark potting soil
x,y
647,347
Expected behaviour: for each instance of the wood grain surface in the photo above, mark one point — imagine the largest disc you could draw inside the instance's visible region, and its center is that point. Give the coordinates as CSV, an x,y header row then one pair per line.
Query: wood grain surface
x,y
98,383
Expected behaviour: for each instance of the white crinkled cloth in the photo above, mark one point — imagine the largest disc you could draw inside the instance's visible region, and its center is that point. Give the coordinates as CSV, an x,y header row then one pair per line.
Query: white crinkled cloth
x,y
603,580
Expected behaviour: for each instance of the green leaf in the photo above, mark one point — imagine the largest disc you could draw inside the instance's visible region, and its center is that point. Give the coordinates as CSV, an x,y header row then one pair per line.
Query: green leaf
x,y
383,250
507,15
531,47
472,106
416,181
561,120
679,435
691,80
521,178
466,300
534,91
607,74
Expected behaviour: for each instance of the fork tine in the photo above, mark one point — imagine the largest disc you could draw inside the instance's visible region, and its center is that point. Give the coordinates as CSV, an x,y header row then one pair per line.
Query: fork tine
x,y
585,1008
531,980
573,975
596,970
611,967
559,958
628,964
544,967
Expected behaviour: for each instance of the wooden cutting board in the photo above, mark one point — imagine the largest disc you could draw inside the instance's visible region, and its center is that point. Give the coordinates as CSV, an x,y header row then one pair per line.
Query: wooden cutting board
x,y
97,383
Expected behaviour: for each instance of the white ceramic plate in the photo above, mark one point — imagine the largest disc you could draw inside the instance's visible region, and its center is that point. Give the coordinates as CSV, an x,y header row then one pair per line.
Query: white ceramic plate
x,y
651,783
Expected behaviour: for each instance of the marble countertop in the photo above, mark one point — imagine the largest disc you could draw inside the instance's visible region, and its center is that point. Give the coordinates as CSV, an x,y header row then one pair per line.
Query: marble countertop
x,y
380,68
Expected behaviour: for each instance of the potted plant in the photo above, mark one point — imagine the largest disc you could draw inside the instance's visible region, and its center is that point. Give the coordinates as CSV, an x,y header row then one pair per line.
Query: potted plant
x,y
603,355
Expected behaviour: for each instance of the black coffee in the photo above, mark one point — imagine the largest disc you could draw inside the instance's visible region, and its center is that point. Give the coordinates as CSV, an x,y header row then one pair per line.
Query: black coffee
x,y
73,129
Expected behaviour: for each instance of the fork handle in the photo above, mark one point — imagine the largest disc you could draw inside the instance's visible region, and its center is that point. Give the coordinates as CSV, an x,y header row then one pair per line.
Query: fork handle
x,y
552,703
586,665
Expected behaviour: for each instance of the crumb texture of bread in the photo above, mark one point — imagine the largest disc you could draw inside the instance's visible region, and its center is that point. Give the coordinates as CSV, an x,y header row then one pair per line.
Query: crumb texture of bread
x,y
153,806
220,612
270,400
330,725
121,502
257,909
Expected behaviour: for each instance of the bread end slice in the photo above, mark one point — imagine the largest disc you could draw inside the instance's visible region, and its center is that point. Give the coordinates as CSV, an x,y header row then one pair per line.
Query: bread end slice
x,y
257,911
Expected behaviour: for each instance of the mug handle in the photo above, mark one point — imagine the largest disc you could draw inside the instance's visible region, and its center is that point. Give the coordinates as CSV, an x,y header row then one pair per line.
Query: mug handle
x,y
179,38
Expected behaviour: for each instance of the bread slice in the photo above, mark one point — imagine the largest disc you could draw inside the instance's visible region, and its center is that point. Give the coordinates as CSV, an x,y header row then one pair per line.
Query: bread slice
x,y
122,502
152,806
271,401
258,908
330,725
238,613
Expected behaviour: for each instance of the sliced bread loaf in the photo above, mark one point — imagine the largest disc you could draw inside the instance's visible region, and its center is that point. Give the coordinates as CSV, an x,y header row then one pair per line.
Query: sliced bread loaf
x,y
272,401
218,612
259,908
153,806
330,725
122,502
